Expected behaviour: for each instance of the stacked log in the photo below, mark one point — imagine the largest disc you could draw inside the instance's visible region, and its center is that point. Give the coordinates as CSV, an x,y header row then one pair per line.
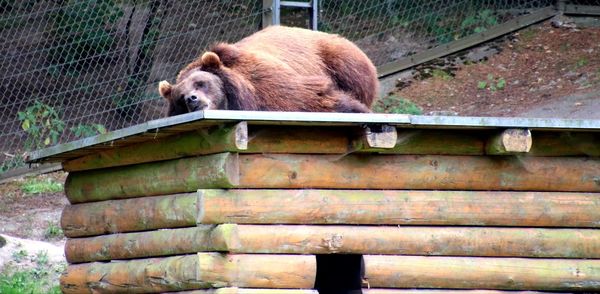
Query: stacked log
x,y
247,209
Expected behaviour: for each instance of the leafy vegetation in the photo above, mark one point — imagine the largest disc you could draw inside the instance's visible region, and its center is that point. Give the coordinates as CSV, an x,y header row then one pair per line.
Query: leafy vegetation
x,y
53,231
88,130
395,104
15,280
42,124
37,186
492,84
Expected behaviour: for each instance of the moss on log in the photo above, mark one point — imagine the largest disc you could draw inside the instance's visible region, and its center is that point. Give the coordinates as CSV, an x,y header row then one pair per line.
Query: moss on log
x,y
444,291
143,244
128,215
420,172
200,142
380,207
189,272
234,290
157,178
482,273
302,239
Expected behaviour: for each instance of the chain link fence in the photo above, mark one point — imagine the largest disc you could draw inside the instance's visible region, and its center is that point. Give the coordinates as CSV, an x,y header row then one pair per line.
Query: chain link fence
x,y
76,68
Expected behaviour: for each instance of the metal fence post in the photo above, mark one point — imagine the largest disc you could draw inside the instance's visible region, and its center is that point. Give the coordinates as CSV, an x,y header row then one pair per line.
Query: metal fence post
x,y
560,5
314,14
271,13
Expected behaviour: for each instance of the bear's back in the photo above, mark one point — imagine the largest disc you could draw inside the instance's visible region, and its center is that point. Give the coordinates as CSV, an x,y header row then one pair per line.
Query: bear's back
x,y
298,48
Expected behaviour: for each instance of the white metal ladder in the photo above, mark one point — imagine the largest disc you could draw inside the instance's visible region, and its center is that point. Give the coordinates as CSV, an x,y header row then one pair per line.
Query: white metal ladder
x,y
272,14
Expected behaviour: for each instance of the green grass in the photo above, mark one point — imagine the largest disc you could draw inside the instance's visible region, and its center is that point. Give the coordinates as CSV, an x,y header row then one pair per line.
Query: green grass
x,y
53,231
395,104
37,186
14,279
441,74
26,281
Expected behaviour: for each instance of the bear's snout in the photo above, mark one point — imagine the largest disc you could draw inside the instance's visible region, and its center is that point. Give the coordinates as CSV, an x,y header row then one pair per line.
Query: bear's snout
x,y
194,104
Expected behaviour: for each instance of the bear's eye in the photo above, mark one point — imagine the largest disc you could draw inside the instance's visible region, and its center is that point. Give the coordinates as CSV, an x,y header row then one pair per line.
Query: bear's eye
x,y
200,84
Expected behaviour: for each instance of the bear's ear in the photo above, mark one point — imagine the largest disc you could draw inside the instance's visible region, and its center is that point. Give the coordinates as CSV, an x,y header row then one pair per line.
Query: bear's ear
x,y
210,60
164,88
228,53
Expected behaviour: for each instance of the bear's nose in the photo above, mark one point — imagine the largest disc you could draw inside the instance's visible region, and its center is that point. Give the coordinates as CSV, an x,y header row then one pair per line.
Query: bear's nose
x,y
191,99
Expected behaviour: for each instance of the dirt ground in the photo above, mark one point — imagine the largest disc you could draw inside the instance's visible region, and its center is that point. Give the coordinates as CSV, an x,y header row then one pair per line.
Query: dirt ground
x,y
542,71
29,216
536,67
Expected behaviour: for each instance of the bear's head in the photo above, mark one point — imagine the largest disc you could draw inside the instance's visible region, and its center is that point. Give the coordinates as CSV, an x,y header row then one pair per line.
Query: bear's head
x,y
196,89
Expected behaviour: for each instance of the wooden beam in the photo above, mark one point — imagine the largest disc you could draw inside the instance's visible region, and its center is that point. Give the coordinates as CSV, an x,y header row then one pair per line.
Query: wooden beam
x,y
142,214
188,272
377,207
510,141
482,273
143,244
156,178
234,290
302,239
419,172
565,144
442,291
466,42
200,142
444,241
383,136
327,140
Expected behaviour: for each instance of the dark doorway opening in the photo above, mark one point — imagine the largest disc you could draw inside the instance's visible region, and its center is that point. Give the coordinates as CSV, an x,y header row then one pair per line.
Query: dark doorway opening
x,y
339,273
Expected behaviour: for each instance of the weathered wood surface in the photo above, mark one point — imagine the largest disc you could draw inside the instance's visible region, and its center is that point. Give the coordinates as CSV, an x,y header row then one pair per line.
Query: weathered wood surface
x,y
143,244
384,137
392,207
420,172
446,241
445,291
565,144
200,142
509,141
302,239
188,272
482,273
327,140
156,178
233,290
375,207
128,215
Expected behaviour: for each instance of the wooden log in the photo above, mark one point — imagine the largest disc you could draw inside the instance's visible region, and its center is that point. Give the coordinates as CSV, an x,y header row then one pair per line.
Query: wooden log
x,y
419,172
294,139
143,244
136,276
509,141
165,177
444,291
378,207
128,215
565,144
188,272
200,142
384,136
437,142
482,273
445,241
234,290
282,239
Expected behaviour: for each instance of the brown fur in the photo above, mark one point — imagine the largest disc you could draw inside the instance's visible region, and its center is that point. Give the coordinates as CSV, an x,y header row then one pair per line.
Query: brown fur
x,y
289,69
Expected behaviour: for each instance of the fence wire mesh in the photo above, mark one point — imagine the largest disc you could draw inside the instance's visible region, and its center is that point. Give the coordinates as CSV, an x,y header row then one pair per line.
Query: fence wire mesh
x,y
75,68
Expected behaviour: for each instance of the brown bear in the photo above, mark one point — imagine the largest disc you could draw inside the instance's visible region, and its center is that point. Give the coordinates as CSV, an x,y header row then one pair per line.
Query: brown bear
x,y
277,69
